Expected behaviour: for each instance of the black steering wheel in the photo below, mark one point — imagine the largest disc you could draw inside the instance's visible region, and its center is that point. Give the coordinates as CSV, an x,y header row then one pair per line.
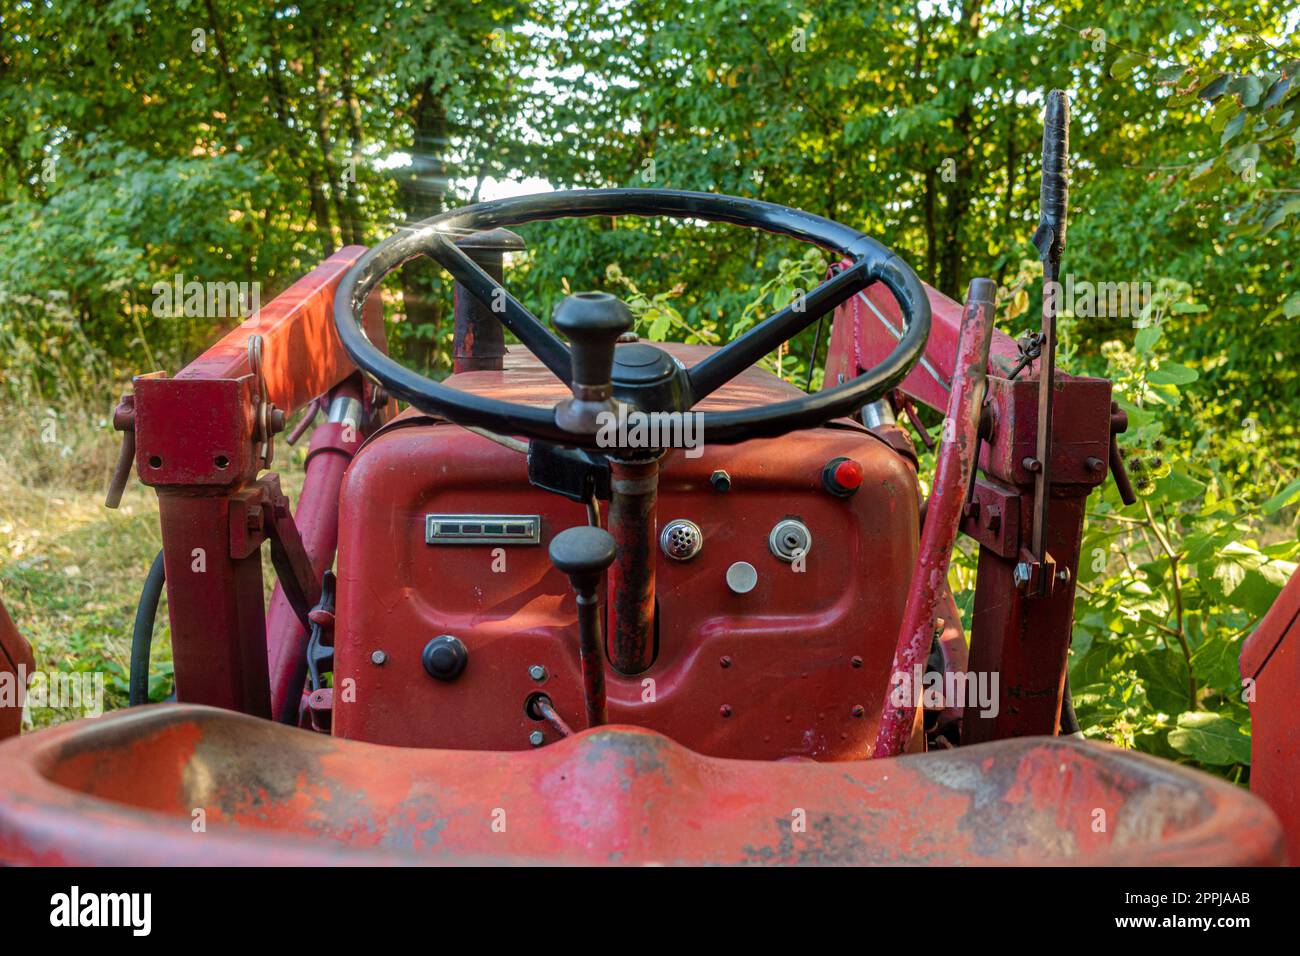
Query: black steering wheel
x,y
595,321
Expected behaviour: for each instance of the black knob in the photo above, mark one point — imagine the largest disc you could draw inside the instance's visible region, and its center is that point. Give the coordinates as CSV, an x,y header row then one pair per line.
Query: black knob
x,y
583,553
445,657
593,322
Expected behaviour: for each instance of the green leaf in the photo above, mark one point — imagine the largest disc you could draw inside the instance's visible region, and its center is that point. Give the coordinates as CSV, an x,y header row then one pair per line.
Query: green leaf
x,y
1177,486
1283,498
1146,338
1216,87
1249,89
1171,373
1211,738
1164,672
1215,661
1125,64
1233,127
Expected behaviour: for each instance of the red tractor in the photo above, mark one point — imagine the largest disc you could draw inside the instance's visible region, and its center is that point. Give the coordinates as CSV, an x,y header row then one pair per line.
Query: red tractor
x,y
625,602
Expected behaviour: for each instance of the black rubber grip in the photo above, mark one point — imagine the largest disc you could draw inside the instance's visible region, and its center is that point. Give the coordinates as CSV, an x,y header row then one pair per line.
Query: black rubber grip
x,y
1055,193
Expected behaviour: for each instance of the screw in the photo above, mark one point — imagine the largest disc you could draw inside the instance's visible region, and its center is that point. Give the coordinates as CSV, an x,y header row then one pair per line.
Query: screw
x,y
720,480
856,660
725,710
537,738
537,672
993,518
378,658
858,710
724,660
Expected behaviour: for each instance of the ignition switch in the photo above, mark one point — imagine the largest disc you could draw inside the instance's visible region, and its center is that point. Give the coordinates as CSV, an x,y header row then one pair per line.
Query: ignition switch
x,y
790,539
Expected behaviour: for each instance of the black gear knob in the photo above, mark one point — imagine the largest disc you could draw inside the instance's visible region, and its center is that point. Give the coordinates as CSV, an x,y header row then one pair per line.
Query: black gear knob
x,y
593,322
583,553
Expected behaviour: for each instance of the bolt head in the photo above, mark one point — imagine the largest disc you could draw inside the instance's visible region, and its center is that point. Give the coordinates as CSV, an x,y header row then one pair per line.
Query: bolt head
x,y
537,672
858,710
537,738
720,480
725,710
378,658
724,660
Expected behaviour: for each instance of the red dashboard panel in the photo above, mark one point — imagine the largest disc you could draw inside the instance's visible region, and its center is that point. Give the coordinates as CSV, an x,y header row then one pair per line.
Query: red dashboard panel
x,y
798,666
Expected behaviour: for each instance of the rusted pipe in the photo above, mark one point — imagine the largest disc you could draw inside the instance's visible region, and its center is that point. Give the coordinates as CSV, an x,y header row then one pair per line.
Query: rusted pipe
x,y
956,459
333,444
632,521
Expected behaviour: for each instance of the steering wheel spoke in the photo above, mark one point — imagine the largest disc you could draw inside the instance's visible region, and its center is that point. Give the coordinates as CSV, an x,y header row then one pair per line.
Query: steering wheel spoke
x,y
529,329
729,361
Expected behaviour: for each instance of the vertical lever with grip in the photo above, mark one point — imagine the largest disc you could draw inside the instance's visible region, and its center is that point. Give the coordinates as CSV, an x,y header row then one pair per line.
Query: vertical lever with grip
x,y
593,322
1049,239
583,553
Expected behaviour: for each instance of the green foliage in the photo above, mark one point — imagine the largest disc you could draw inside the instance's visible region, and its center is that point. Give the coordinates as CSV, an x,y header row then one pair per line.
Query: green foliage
x,y
243,141
1170,587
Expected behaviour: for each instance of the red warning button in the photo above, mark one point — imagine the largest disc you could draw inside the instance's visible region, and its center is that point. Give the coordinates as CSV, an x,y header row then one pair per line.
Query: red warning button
x,y
842,477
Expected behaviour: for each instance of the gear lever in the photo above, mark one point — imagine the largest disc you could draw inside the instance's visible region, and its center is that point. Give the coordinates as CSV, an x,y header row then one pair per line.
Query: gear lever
x,y
583,553
592,321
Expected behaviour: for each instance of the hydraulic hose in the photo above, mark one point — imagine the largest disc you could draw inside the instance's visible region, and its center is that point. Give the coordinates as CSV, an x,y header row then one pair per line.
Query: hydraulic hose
x,y
142,636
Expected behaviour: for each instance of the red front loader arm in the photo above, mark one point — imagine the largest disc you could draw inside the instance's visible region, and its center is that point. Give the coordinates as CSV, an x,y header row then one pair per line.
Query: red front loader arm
x,y
1024,639
201,438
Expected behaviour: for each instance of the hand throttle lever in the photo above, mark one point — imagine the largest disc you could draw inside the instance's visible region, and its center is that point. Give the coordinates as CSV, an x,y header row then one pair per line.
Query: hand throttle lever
x,y
583,553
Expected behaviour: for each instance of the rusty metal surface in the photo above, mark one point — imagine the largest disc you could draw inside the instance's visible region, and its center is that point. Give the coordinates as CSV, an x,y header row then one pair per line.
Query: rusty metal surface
x,y
633,520
126,789
860,339
1270,658
790,685
953,467
303,357
197,442
16,664
317,516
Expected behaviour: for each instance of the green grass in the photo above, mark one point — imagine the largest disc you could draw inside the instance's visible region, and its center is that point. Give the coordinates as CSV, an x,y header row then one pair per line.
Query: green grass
x,y
71,570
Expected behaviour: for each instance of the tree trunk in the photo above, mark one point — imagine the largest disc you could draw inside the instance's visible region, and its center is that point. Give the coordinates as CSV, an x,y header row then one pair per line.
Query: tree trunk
x,y
422,194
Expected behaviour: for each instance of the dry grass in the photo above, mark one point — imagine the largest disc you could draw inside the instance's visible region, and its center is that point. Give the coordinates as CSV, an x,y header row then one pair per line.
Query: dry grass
x,y
70,569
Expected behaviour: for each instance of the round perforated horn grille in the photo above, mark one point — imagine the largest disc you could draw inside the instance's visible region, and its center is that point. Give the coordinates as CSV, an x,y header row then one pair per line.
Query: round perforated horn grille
x,y
681,539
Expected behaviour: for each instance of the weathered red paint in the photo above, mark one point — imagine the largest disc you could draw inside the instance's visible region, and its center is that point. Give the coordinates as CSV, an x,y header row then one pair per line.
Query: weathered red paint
x,y
1026,640
196,443
124,790
953,466
16,665
859,340
317,517
791,687
1270,659
302,356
